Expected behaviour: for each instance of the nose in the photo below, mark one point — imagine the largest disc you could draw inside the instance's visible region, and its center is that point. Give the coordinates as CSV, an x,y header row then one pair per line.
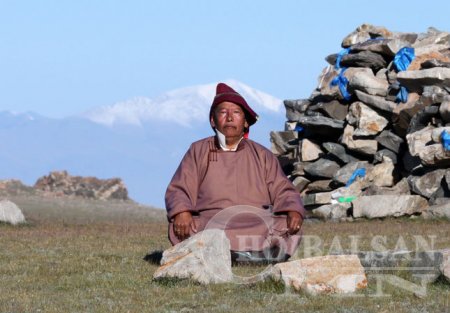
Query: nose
x,y
229,116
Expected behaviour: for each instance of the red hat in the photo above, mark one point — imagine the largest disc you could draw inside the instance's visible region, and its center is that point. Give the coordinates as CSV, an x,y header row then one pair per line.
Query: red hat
x,y
226,93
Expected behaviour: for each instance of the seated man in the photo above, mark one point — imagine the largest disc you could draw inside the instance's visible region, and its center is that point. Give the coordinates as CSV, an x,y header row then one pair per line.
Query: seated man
x,y
230,181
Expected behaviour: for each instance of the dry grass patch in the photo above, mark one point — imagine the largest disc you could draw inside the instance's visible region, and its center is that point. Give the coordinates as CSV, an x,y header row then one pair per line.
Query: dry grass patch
x,y
55,265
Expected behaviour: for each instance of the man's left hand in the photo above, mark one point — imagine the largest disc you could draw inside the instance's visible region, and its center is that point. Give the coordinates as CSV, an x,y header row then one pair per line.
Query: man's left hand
x,y
294,222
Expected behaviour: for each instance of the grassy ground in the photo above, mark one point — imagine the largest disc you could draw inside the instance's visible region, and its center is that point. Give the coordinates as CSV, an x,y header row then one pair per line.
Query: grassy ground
x,y
87,256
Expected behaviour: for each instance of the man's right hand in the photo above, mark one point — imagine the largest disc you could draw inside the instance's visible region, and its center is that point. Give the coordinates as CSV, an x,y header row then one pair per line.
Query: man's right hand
x,y
182,225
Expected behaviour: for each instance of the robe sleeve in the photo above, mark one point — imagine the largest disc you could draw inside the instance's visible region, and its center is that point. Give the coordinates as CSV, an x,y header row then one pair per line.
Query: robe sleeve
x,y
282,192
181,194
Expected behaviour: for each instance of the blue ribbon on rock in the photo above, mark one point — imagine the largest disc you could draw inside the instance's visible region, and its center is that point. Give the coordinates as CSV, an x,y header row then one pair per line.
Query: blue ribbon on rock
x,y
343,52
342,82
402,60
445,137
360,172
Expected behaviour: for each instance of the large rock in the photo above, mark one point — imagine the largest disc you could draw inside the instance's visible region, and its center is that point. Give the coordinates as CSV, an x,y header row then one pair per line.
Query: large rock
x,y
444,111
283,141
61,183
368,146
390,140
300,183
422,118
384,46
364,59
368,83
420,143
388,205
376,102
204,257
295,108
415,80
322,168
333,109
332,211
10,213
317,198
384,154
381,175
310,151
323,274
339,152
344,173
426,184
439,211
368,121
445,266
365,32
401,188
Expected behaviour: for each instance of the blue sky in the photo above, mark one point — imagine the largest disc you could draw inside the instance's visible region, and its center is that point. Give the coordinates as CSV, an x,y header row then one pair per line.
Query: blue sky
x,y
62,57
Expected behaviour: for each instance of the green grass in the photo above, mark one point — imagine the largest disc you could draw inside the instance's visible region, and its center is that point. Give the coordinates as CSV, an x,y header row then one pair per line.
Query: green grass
x,y
95,264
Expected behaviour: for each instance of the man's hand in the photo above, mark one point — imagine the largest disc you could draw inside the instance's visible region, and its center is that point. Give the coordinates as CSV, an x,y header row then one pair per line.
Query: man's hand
x,y
182,225
294,222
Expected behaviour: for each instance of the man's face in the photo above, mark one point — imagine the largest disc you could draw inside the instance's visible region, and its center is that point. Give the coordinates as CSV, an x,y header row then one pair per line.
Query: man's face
x,y
229,119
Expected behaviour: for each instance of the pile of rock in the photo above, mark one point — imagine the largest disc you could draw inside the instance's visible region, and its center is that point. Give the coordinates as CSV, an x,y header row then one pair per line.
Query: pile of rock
x,y
61,183
373,139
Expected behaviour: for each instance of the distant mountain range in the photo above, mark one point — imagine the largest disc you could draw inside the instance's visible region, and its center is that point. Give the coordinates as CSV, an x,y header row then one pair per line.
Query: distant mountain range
x,y
140,140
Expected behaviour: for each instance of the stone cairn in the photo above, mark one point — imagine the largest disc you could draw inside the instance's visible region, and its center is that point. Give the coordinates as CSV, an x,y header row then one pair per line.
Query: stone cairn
x,y
373,139
60,183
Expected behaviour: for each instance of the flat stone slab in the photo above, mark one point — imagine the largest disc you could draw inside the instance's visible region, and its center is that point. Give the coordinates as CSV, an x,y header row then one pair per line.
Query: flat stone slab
x,y
388,205
415,80
323,274
204,257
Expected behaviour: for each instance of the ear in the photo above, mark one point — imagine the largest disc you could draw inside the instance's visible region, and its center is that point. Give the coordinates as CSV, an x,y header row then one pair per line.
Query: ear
x,y
211,121
246,124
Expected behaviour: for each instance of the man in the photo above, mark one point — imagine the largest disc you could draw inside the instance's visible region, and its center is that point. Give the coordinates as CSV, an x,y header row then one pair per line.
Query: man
x,y
229,170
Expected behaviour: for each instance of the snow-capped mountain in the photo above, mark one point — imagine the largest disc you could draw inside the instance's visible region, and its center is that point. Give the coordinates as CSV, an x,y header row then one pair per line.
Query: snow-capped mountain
x,y
184,106
140,140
